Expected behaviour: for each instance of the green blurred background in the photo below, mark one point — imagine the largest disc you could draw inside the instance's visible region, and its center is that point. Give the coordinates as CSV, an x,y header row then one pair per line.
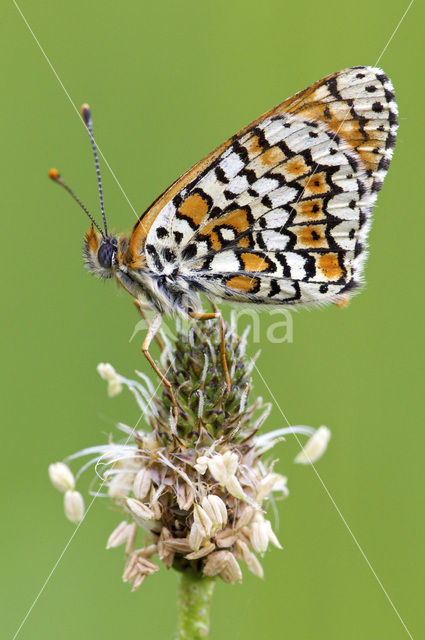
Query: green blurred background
x,y
167,82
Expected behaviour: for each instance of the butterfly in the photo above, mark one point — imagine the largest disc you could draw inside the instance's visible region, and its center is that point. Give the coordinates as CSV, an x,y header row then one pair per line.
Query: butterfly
x,y
279,214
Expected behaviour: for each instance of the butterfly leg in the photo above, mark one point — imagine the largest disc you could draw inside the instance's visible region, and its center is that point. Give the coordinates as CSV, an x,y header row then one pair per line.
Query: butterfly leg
x,y
152,330
141,309
217,316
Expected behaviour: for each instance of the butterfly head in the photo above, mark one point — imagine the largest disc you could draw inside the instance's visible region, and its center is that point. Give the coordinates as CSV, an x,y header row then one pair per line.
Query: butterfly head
x,y
100,253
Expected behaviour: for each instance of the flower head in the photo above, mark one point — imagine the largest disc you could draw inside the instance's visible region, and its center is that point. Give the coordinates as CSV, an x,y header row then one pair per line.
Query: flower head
x,y
198,490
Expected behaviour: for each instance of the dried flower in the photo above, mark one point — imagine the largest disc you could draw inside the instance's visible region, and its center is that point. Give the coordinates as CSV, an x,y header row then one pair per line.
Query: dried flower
x,y
139,511
223,564
259,534
125,532
215,508
198,489
202,521
249,558
223,468
142,484
196,536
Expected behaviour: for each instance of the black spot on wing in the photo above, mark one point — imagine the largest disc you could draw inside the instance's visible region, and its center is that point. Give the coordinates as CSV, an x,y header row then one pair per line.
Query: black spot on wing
x,y
274,288
169,255
189,251
178,236
150,249
220,175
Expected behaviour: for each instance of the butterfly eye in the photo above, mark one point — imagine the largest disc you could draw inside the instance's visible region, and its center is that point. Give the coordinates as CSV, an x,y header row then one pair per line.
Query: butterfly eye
x,y
105,254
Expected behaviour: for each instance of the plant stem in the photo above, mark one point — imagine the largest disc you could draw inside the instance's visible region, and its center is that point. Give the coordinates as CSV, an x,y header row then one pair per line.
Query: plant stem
x,y
194,604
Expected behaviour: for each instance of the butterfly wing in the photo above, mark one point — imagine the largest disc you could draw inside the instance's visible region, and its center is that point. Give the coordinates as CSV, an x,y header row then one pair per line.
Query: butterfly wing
x,y
280,213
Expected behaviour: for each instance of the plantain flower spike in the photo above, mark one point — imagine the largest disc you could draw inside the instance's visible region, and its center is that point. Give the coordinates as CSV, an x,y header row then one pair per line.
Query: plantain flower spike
x,y
193,493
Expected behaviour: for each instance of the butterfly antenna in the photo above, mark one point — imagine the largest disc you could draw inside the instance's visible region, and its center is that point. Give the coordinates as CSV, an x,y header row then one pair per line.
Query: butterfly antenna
x,y
55,176
86,115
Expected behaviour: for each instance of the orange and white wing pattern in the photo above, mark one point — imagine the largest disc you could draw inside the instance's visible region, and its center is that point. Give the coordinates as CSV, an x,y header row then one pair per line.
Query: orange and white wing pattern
x,y
279,214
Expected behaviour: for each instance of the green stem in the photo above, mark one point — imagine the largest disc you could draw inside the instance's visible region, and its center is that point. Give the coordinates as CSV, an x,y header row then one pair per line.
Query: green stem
x,y
194,604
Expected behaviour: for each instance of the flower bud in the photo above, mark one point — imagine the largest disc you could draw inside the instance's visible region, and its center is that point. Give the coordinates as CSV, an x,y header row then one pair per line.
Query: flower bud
x,y
73,506
249,558
61,477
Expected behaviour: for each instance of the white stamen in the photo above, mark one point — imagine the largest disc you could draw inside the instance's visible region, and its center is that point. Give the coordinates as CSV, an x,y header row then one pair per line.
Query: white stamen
x,y
61,476
108,373
262,418
259,534
244,398
315,447
276,435
252,362
205,369
243,341
73,505
271,535
147,381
